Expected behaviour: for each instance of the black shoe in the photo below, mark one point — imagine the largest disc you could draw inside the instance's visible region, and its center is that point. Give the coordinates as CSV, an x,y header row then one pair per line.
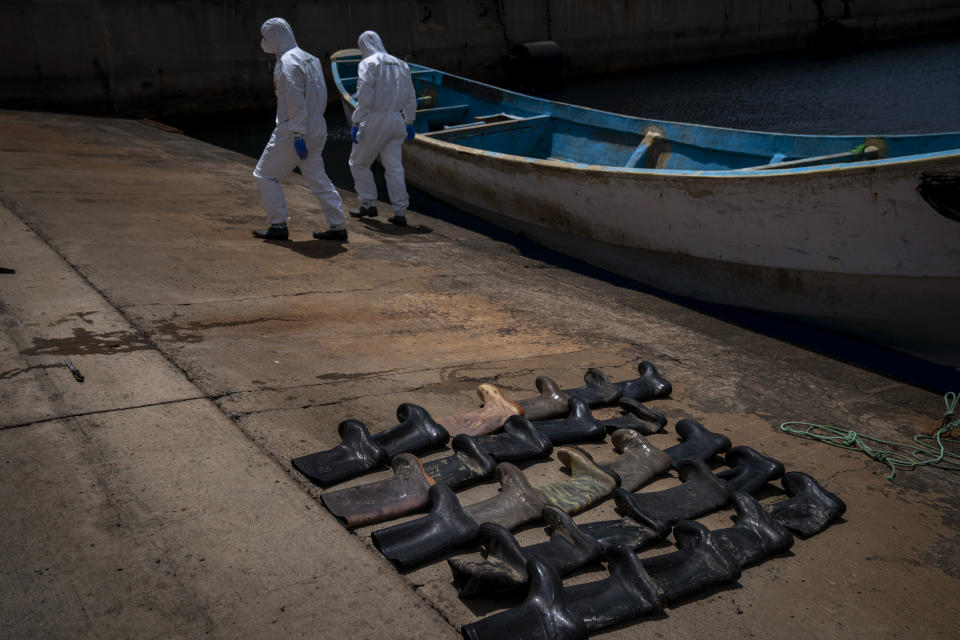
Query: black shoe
x,y
400,221
331,234
272,233
364,211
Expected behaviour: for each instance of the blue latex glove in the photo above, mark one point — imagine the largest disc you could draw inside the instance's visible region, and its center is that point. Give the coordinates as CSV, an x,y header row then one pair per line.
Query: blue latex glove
x,y
301,147
411,133
354,132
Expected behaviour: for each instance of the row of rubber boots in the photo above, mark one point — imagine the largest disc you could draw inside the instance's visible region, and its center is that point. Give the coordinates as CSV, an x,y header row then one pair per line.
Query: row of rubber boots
x,y
486,442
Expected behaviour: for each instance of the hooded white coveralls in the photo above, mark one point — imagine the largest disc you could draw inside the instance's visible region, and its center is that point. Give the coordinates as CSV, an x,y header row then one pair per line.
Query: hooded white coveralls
x,y
301,101
386,104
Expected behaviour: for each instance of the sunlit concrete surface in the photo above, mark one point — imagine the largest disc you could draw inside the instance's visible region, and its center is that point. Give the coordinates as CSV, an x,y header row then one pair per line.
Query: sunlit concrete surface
x,y
156,498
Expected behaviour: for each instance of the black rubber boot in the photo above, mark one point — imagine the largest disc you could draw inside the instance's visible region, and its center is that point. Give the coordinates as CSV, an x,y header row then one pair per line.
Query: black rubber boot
x,y
597,390
578,426
331,234
400,221
698,443
370,212
809,508
361,452
699,564
749,469
417,542
551,403
416,432
700,493
754,535
354,456
544,614
273,232
636,417
649,386
626,595
519,440
468,465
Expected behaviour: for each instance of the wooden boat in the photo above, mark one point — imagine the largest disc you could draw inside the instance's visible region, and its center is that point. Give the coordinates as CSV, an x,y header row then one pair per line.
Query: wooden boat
x,y
859,234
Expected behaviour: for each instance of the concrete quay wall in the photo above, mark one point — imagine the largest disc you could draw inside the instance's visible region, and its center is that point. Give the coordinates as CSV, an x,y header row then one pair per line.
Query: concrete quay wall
x,y
168,56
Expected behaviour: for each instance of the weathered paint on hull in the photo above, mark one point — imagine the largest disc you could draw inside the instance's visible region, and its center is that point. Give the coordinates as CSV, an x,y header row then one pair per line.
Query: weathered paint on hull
x,y
854,248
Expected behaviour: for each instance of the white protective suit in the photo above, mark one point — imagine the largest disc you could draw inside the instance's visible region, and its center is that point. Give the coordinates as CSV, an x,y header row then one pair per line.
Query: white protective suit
x,y
386,104
301,101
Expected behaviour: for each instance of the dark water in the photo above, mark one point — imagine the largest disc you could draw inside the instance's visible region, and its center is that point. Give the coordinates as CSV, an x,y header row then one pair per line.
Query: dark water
x,y
905,88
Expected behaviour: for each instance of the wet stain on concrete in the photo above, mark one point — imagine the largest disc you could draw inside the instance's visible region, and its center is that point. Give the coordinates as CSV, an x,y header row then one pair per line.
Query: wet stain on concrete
x,y
342,377
192,333
84,342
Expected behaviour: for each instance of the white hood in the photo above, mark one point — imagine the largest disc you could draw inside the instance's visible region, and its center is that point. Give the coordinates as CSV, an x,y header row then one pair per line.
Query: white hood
x,y
277,36
370,44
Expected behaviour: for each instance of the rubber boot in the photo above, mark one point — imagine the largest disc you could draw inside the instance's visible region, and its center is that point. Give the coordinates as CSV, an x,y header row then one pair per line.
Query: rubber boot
x,y
749,469
415,433
700,493
544,614
809,508
517,503
520,440
637,417
597,390
649,386
698,443
551,403
355,455
500,565
361,452
627,594
468,465
638,462
414,543
700,563
754,535
273,232
578,426
384,500
496,409
588,483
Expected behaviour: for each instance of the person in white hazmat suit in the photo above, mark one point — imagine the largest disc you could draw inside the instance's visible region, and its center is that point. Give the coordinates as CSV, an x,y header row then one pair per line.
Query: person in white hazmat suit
x,y
299,135
382,122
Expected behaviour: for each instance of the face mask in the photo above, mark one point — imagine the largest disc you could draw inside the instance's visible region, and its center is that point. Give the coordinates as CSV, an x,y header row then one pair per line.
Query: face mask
x,y
265,46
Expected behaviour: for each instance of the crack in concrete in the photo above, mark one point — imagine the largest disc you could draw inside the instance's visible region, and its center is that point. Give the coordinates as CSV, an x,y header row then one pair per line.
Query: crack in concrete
x,y
98,412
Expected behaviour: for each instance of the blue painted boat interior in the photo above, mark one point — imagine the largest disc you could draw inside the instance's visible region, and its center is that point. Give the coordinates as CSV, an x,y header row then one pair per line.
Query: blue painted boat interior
x,y
487,118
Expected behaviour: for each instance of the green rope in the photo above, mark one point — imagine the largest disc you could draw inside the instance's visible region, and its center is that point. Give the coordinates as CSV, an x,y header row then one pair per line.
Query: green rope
x,y
900,455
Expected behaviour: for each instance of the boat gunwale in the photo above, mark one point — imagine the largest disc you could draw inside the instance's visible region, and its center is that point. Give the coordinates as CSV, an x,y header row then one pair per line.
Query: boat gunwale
x,y
349,55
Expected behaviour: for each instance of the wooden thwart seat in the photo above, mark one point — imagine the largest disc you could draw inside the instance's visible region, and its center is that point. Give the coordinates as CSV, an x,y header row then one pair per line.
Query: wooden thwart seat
x,y
868,153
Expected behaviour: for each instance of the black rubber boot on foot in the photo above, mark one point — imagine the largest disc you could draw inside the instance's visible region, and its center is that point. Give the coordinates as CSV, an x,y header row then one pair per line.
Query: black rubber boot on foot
x,y
331,234
400,221
273,232
370,212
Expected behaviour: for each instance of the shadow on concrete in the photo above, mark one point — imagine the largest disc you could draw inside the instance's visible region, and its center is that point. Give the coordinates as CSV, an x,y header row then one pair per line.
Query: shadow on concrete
x,y
5,270
314,249
389,229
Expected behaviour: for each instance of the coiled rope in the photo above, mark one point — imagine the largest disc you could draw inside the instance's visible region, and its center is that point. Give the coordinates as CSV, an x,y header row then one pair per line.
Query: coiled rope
x,y
899,455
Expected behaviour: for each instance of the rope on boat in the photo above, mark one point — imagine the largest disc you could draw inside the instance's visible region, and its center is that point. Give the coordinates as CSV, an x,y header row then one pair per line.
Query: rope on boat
x,y
900,455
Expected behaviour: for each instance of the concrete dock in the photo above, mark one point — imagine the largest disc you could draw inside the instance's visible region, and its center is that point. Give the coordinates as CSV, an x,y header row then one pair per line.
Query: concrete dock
x,y
156,498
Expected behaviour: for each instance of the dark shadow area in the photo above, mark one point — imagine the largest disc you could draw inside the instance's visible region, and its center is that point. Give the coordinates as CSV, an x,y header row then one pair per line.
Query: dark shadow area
x,y
390,229
5,270
314,249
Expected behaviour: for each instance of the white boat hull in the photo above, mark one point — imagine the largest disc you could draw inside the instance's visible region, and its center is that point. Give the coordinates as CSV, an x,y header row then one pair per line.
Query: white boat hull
x,y
851,247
